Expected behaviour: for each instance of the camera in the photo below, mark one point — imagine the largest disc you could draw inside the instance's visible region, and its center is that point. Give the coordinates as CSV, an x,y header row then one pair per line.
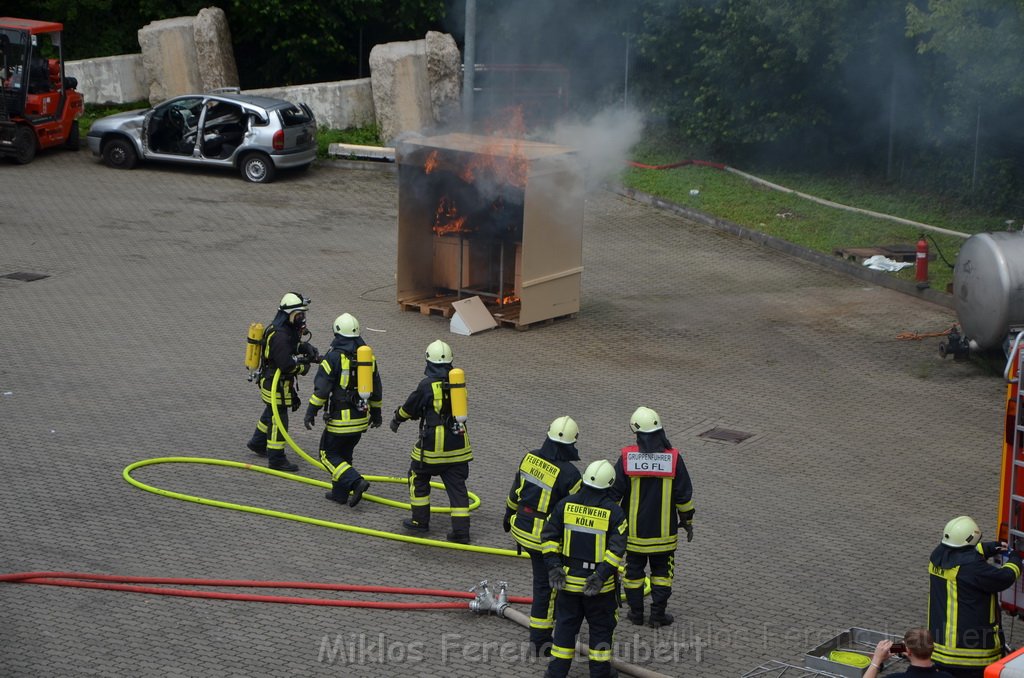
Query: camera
x,y
898,648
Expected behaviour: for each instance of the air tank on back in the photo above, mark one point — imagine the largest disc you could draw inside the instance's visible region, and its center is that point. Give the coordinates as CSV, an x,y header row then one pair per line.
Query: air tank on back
x,y
988,287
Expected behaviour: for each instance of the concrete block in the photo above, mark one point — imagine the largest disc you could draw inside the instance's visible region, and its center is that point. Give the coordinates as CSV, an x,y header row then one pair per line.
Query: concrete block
x,y
401,89
214,55
110,80
337,105
444,73
169,57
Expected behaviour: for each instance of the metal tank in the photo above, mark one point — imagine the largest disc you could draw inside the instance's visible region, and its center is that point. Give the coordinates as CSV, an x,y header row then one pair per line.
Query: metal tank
x,y
988,286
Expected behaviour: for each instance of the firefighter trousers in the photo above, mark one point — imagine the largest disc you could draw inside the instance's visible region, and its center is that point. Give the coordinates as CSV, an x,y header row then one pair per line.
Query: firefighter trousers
x,y
601,613
336,450
542,611
454,477
267,435
662,572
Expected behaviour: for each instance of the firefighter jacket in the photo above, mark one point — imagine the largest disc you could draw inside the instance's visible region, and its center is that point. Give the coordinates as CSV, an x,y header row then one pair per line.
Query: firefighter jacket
x,y
440,440
282,349
963,607
544,478
653,487
585,533
335,386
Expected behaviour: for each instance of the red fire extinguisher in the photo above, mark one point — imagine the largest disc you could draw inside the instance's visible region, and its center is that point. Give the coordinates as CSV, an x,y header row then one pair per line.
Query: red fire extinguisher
x,y
921,264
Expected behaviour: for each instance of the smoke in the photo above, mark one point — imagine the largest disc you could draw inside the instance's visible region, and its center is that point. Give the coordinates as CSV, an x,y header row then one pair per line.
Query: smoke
x,y
603,143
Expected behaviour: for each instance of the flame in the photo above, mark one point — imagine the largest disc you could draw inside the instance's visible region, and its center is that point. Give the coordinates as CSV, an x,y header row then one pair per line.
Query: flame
x,y
431,164
510,299
447,219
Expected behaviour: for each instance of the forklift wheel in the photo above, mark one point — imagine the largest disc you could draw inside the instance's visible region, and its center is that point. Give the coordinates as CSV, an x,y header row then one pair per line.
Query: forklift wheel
x,y
24,145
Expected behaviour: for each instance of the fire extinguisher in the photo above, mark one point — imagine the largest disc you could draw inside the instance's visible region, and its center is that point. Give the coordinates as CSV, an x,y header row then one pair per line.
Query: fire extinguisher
x,y
921,264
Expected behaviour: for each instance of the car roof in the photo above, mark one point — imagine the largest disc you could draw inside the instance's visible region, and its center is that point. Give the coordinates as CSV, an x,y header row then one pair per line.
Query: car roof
x,y
252,100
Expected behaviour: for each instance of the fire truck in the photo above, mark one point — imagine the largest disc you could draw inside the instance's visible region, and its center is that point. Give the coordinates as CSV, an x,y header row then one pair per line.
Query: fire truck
x,y
1011,482
39,105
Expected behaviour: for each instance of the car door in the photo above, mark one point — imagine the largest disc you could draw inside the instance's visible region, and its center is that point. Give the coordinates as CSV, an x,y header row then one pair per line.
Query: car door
x,y
171,130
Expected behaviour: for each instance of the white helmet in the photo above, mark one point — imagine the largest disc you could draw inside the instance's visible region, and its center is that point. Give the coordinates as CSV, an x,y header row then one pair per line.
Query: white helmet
x,y
645,420
439,352
346,325
292,302
599,475
961,531
563,430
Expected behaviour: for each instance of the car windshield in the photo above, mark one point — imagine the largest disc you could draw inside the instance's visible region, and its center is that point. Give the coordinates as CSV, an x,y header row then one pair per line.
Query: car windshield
x,y
293,115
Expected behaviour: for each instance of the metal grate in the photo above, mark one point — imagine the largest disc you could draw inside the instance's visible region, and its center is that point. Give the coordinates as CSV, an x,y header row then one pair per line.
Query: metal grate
x,y
726,435
25,276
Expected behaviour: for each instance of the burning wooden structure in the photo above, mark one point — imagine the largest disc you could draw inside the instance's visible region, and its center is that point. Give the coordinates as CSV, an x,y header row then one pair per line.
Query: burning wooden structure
x,y
492,217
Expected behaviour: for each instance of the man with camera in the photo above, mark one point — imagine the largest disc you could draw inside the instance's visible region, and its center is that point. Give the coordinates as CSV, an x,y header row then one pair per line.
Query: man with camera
x,y
917,646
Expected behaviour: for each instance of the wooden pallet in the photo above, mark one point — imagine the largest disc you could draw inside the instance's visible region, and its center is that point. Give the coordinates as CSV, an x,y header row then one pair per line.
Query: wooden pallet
x,y
441,306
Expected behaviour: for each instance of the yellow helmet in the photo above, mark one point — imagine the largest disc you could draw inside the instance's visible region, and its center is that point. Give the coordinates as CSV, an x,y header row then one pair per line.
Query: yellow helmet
x,y
645,420
292,302
346,325
961,531
439,352
563,430
599,475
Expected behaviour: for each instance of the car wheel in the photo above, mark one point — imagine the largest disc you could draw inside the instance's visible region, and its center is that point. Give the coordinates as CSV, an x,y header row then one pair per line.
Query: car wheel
x,y
119,154
257,168
24,145
72,142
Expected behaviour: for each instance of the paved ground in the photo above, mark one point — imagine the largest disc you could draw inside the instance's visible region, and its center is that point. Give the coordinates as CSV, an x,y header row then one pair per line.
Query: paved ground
x,y
863,446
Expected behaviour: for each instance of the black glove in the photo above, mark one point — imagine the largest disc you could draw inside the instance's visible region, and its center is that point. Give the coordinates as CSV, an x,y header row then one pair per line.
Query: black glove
x,y
395,423
506,522
375,418
296,402
310,418
686,521
556,578
1014,557
593,585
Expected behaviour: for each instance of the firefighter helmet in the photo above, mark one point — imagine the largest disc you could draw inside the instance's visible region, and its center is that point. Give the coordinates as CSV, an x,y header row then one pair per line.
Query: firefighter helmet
x,y
439,352
292,302
645,420
563,430
599,475
961,531
346,325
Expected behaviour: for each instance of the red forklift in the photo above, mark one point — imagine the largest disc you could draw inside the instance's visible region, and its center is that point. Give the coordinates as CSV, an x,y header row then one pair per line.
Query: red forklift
x,y
39,106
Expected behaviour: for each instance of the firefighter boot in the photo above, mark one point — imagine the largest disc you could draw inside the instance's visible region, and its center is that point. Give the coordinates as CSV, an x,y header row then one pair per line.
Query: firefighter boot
x,y
635,599
414,526
357,491
256,447
660,618
458,537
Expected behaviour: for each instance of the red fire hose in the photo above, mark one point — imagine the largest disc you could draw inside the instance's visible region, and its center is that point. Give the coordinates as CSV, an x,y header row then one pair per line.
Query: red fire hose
x,y
112,582
702,163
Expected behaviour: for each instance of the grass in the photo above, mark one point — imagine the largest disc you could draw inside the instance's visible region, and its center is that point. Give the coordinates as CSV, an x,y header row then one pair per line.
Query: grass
x,y
819,227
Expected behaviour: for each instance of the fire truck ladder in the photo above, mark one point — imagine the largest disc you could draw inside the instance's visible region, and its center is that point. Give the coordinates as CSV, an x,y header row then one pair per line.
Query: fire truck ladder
x,y
1012,599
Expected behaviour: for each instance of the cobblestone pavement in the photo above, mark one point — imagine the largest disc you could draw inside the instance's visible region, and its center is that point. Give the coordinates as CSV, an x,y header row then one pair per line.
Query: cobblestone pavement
x,y
862,445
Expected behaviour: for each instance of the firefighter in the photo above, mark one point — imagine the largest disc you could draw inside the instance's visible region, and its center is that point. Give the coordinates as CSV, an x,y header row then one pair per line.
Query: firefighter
x,y
583,542
441,448
963,607
545,477
347,415
282,348
653,487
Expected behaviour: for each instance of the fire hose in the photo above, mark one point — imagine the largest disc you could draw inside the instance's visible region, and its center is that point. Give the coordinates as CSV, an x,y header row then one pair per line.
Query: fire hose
x,y
483,602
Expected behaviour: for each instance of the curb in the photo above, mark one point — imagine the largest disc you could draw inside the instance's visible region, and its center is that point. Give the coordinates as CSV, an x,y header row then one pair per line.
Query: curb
x,y
879,278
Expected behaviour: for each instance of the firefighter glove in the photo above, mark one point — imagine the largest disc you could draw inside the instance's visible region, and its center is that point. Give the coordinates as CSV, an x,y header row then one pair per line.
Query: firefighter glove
x,y
310,418
686,522
296,402
395,422
593,585
506,522
556,578
375,418
1014,557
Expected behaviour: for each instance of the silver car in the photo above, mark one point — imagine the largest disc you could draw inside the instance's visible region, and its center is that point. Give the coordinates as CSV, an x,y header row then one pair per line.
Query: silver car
x,y
257,135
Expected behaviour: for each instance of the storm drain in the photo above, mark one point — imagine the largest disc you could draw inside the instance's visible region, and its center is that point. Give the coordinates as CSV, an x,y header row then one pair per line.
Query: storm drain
x,y
25,276
726,435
